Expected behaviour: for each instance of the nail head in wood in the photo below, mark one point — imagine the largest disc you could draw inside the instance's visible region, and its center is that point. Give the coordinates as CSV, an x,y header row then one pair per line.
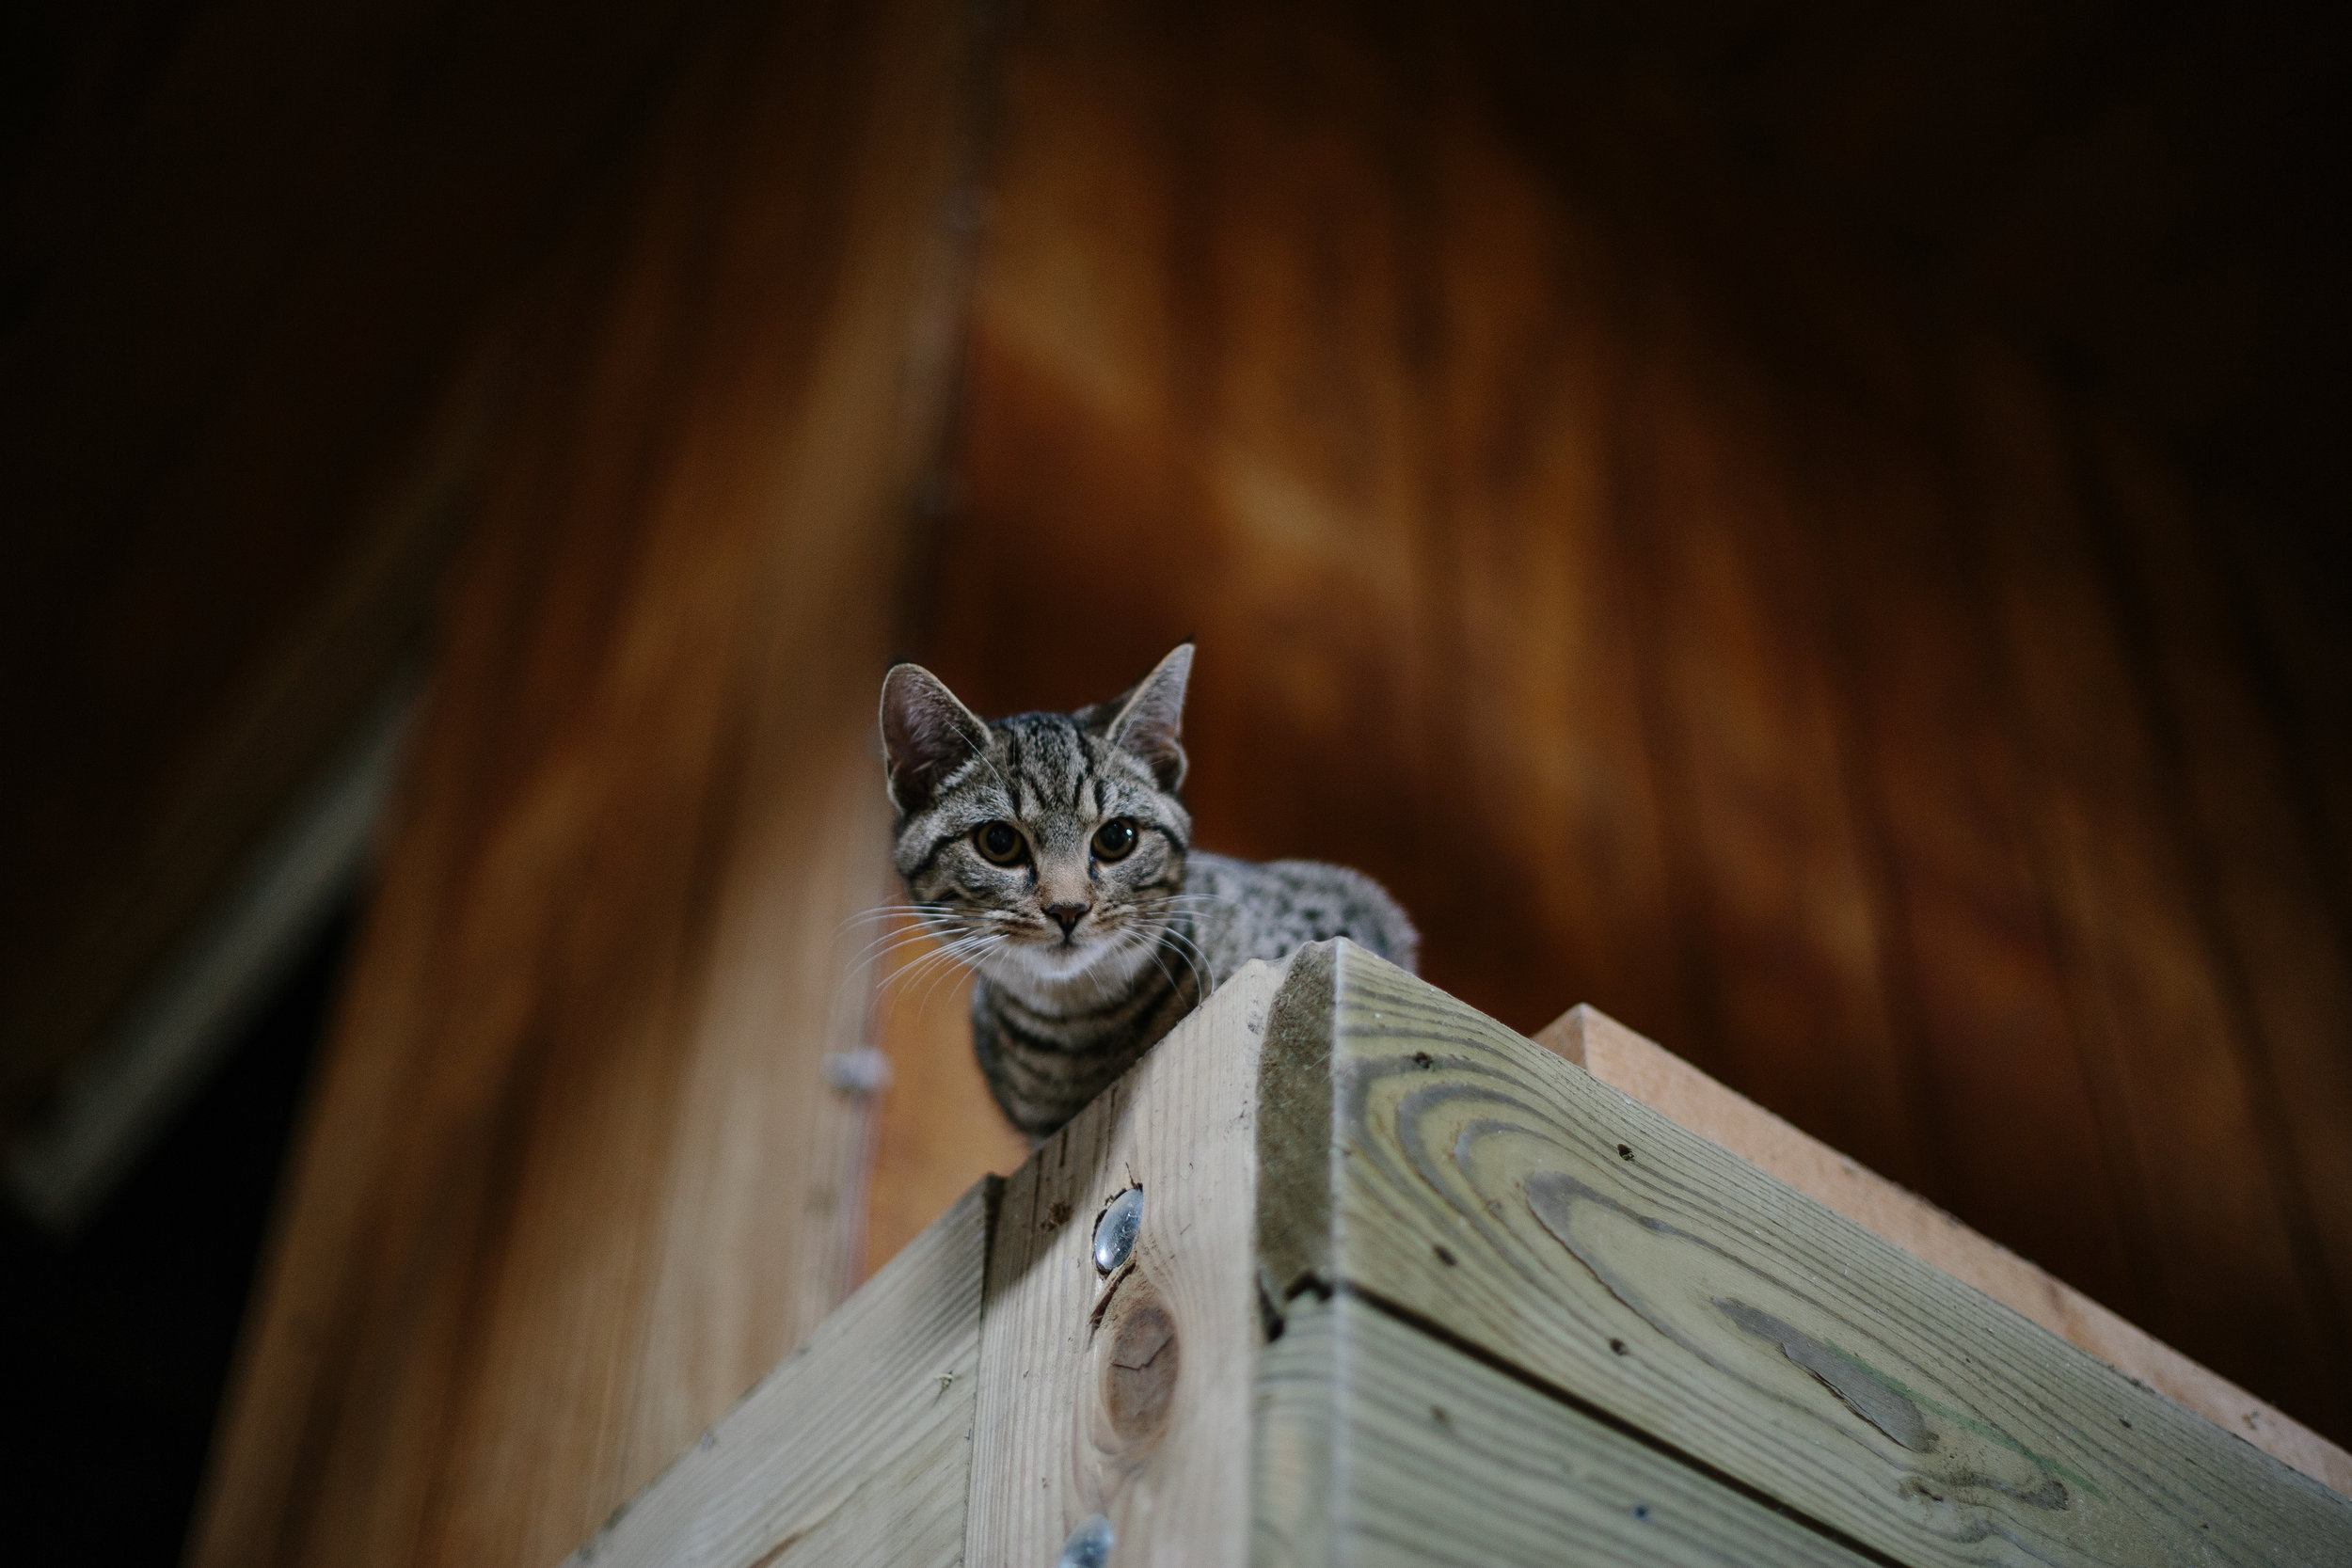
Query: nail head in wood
x,y
1114,1232
1089,1544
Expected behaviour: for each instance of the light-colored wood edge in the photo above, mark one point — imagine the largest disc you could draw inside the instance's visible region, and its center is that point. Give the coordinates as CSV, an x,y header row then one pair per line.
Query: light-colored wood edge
x,y
1129,1395
1378,1443
856,1448
1502,1198
1644,1070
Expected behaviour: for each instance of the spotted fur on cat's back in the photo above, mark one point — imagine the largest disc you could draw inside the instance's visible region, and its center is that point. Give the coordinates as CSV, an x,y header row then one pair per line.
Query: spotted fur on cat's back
x,y
1053,854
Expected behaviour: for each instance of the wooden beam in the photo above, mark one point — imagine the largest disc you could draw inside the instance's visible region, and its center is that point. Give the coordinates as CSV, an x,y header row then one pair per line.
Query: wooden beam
x,y
1673,1088
857,1450
1126,1395
573,1176
1408,1288
1380,1444
1561,1227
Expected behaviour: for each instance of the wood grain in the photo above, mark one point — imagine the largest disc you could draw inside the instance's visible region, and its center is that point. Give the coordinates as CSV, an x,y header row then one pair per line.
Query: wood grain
x,y
1759,810
856,1449
1378,1445
1128,1396
1564,1228
1691,640
1978,1013
573,1178
1675,1089
2257,852
2223,1230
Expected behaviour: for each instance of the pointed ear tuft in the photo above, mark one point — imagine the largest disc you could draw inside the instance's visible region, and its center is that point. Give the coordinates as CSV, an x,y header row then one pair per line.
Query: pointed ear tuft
x,y
926,734
1151,720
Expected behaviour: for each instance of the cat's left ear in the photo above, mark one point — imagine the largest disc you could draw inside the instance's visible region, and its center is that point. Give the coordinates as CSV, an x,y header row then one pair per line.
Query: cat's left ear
x,y
1151,722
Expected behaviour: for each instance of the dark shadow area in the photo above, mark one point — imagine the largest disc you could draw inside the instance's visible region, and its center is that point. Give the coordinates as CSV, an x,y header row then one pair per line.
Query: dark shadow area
x,y
115,1345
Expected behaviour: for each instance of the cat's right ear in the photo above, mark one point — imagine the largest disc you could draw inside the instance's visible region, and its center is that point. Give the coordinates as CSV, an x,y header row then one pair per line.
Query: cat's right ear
x,y
927,733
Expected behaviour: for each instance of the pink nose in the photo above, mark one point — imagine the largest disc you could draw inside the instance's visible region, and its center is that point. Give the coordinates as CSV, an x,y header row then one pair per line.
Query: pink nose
x,y
1066,915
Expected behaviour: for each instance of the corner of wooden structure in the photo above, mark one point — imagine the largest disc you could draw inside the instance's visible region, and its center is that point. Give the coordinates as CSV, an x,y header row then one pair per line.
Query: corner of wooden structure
x,y
1406,1287
1641,1068
1295,1131
1124,1396
1497,1210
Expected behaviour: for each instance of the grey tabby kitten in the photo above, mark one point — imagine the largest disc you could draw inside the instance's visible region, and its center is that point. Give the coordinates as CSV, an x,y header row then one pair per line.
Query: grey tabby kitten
x,y
1050,852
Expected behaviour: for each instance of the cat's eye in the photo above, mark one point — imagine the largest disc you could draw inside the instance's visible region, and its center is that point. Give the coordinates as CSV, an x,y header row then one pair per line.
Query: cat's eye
x,y
1114,839
999,841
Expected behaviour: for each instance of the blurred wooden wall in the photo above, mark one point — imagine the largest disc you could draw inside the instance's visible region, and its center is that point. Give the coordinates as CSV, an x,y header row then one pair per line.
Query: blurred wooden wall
x,y
575,1175
247,258
1683,612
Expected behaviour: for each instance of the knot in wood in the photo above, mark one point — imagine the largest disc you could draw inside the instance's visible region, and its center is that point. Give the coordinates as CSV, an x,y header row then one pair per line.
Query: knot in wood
x,y
1139,1376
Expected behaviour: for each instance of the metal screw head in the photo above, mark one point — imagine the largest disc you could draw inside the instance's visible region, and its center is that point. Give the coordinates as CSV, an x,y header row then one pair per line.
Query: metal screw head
x,y
1114,1232
1088,1546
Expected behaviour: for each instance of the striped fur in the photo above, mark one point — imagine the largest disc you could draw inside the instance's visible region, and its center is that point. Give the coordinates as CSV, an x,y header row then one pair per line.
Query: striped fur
x,y
1088,953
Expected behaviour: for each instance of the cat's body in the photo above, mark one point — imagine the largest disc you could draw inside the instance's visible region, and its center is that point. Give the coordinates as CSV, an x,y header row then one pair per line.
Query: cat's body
x,y
1051,853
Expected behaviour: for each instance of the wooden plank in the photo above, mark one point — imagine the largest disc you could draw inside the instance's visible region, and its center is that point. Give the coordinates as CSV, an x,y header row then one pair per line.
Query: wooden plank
x,y
574,1178
1673,1088
1563,1228
857,1450
1128,1396
1379,1444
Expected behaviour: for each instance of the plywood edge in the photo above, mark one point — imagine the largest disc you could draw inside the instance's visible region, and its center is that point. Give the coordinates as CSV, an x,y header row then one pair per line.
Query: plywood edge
x,y
1644,1070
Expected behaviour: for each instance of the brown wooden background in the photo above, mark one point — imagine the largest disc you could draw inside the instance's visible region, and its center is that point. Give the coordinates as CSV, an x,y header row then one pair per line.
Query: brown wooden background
x,y
1684,615
1813,529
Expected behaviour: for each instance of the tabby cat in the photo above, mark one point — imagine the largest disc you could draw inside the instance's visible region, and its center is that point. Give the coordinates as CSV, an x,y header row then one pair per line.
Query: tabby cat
x,y
1052,853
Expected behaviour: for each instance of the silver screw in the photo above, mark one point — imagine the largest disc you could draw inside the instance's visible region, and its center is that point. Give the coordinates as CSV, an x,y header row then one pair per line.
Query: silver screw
x,y
1089,1544
1114,1232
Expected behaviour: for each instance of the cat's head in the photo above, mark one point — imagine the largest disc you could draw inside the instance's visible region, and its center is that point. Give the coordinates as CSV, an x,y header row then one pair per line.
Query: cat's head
x,y
1047,847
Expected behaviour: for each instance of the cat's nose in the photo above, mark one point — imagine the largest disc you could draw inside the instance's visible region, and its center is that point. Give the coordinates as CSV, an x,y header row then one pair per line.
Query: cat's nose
x,y
1067,915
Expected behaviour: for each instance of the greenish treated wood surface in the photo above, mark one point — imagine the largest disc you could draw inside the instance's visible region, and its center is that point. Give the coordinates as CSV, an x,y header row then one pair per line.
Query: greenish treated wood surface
x,y
1127,1395
1380,1446
857,1450
1477,1182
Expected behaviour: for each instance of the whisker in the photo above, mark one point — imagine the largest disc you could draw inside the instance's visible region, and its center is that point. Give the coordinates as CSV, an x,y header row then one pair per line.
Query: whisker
x,y
1186,947
984,942
946,954
886,912
939,929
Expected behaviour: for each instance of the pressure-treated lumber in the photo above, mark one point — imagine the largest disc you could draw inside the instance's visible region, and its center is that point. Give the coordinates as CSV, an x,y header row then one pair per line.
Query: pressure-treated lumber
x,y
857,1450
1411,1289
1378,1445
1626,1061
1127,1395
1559,1228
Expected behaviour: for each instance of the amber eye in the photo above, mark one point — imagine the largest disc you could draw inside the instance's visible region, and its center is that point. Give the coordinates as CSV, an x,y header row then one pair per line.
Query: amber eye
x,y
1000,842
1114,839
